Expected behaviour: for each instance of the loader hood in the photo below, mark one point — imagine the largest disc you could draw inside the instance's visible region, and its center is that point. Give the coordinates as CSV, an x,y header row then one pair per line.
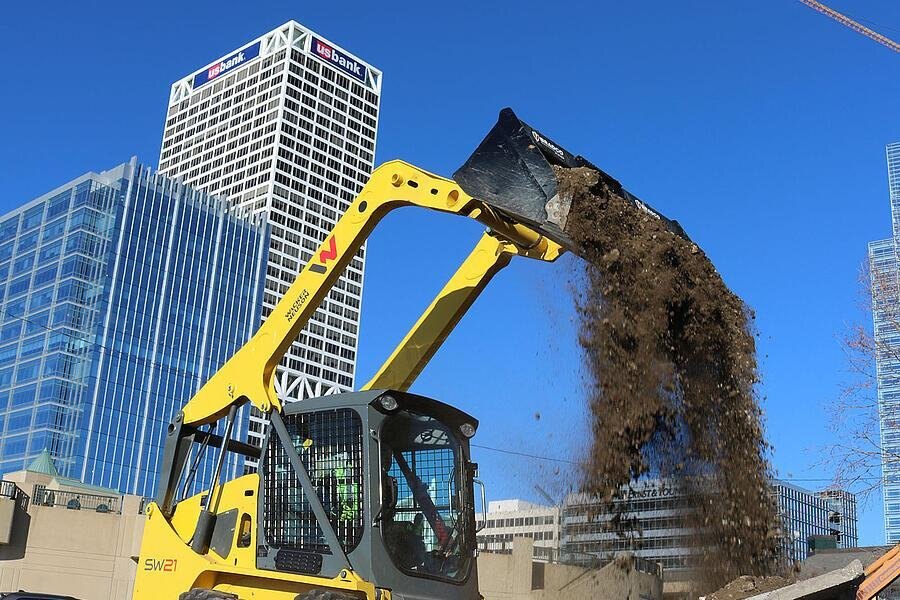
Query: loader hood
x,y
512,171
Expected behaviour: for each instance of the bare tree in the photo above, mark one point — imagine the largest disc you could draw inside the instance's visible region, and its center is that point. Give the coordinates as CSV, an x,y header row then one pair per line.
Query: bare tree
x,y
865,447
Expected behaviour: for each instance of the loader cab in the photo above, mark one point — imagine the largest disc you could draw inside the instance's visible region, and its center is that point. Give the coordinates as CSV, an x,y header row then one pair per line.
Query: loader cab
x,y
393,484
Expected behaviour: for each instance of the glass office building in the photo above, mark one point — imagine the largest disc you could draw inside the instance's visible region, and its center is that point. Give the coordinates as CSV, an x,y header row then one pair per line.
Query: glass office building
x,y
661,533
842,518
121,293
661,530
883,265
805,514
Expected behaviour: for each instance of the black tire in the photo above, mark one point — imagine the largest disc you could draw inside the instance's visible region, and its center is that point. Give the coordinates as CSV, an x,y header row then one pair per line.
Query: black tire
x,y
206,595
327,595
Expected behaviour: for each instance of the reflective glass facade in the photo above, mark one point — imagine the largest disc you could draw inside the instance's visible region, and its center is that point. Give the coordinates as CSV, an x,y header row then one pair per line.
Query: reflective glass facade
x,y
660,534
883,265
805,513
662,529
121,293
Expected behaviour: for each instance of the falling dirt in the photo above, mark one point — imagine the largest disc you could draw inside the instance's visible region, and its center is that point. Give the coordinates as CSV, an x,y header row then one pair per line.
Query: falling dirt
x,y
671,370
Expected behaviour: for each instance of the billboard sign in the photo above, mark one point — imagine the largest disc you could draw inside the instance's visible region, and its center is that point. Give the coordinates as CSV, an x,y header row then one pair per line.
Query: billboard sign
x,y
226,64
336,58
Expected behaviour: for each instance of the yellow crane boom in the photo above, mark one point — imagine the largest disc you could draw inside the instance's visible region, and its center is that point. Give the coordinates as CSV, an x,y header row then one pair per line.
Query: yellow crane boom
x,y
854,25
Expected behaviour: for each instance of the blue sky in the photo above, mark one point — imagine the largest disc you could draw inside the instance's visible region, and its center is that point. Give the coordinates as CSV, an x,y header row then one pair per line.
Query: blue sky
x,y
759,125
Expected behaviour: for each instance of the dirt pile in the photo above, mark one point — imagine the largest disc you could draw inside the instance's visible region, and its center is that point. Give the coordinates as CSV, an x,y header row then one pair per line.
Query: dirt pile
x,y
747,587
671,365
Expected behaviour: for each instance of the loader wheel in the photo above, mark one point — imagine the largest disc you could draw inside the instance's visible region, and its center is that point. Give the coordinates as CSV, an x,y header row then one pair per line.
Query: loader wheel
x,y
326,595
206,595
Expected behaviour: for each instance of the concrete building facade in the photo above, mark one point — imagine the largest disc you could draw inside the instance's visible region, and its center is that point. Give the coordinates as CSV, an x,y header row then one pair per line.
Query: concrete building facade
x,y
90,554
883,269
516,575
508,519
66,537
121,292
285,127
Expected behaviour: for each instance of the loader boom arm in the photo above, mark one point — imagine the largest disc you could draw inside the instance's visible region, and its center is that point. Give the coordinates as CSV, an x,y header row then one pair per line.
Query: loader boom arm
x,y
249,375
428,333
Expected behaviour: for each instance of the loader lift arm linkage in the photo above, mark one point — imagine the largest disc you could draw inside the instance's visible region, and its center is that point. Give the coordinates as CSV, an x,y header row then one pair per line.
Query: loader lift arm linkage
x,y
248,375
491,254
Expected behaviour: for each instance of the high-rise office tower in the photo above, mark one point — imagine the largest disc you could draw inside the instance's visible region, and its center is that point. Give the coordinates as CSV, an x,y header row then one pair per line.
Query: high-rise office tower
x,y
285,126
122,292
883,265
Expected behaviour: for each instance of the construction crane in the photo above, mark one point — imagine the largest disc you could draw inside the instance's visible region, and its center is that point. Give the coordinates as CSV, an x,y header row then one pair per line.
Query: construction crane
x,y
855,26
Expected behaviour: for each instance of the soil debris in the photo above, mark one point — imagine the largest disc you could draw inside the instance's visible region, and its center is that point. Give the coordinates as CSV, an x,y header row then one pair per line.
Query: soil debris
x,y
671,371
747,587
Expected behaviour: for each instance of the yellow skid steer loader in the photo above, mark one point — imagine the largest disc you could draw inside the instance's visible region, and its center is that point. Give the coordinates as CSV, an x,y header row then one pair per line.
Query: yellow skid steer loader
x,y
367,494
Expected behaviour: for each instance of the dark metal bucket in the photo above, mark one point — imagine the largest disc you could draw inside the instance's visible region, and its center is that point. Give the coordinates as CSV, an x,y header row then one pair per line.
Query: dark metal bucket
x,y
512,171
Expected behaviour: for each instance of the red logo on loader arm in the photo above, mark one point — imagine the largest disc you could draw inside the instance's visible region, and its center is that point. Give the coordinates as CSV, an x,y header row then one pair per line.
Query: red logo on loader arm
x,y
330,253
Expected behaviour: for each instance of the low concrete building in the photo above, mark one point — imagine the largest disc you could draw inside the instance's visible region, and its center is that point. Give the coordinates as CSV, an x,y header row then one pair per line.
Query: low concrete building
x,y
517,576
60,536
506,519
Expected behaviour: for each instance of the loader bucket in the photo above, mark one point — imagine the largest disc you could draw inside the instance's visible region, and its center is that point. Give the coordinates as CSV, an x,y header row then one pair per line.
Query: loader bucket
x,y
512,171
